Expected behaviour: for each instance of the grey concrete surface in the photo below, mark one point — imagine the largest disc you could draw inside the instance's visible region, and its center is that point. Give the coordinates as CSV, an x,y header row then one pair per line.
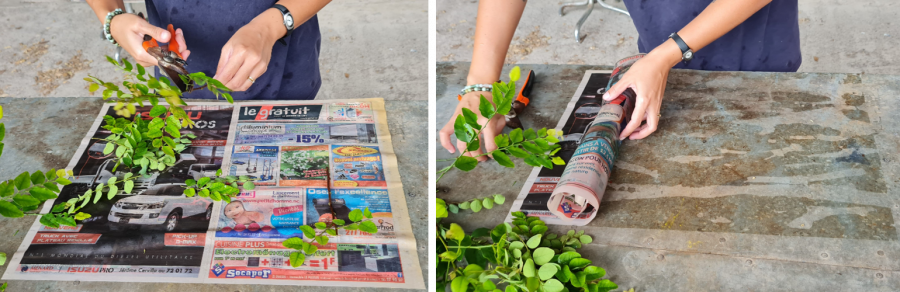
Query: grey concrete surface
x,y
44,133
836,36
369,48
753,182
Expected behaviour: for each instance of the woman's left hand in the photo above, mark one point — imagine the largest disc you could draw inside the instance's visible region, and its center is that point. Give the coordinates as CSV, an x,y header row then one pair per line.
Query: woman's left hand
x,y
246,55
647,77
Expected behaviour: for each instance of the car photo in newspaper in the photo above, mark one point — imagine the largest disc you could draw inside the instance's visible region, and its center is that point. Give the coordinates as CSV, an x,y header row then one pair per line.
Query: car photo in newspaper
x,y
152,231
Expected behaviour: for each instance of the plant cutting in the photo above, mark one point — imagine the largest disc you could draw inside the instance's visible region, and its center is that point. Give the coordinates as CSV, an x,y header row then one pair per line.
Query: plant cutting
x,y
521,256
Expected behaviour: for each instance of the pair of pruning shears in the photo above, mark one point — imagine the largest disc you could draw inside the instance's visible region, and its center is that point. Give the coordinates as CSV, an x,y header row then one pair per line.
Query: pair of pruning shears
x,y
170,61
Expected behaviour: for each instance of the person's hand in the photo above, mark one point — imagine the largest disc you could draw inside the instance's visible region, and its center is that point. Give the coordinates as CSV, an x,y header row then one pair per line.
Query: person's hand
x,y
246,55
128,30
647,77
490,129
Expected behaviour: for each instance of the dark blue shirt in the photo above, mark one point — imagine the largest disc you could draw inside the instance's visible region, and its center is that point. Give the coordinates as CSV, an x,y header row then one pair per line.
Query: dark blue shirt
x,y
767,41
293,71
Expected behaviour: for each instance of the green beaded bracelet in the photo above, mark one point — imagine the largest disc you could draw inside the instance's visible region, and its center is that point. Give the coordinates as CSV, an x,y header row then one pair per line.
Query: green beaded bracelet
x,y
109,17
476,87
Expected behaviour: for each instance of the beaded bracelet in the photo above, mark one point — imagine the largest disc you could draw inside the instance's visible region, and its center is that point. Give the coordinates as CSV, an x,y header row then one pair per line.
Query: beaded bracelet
x,y
473,88
109,17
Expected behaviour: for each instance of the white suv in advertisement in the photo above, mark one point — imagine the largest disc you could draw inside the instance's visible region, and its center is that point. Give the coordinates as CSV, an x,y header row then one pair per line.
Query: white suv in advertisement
x,y
162,205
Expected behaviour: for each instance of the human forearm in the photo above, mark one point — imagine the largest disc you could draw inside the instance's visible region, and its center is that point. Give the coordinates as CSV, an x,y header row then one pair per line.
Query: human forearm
x,y
103,7
494,29
720,17
272,22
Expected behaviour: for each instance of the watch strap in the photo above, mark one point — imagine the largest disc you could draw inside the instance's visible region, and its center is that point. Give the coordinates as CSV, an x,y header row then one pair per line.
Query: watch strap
x,y
682,46
284,11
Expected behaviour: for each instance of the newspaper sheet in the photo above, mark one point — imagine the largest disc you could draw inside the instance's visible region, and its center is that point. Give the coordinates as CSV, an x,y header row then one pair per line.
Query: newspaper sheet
x,y
156,234
580,112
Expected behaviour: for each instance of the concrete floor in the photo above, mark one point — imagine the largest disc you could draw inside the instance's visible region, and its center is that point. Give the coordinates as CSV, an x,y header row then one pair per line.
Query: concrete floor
x,y
836,36
370,48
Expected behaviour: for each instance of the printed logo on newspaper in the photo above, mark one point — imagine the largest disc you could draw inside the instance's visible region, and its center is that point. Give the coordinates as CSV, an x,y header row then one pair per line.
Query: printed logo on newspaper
x,y
254,129
354,151
234,273
218,269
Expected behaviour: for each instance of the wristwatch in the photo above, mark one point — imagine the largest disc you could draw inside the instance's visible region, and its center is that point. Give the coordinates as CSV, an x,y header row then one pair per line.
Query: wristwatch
x,y
686,53
288,21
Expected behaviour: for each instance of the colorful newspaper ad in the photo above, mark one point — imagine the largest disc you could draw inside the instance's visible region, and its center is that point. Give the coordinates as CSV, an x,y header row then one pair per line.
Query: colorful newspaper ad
x,y
290,149
581,111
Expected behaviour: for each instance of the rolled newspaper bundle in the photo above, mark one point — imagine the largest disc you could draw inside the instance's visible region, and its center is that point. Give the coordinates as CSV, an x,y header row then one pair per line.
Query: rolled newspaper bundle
x,y
578,192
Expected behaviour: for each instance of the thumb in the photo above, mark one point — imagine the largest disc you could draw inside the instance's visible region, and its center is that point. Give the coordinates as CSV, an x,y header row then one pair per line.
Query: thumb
x,y
161,35
615,90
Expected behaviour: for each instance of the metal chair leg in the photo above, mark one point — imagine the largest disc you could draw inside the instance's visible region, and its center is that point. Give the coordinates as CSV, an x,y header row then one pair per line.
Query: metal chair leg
x,y
590,8
572,4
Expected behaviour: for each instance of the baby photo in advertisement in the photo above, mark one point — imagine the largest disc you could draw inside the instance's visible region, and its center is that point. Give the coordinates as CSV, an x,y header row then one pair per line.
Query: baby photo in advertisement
x,y
265,212
357,166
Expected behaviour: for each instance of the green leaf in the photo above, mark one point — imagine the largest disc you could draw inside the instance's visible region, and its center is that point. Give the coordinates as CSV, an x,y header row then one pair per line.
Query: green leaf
x,y
37,177
488,285
82,216
528,270
514,74
471,118
511,288
63,181
352,226
516,135
23,181
516,245
459,284
499,199
113,191
294,243
488,203
502,159
67,221
460,130
518,152
586,239
475,205
568,256
558,161
355,215
322,240
249,186
321,225
157,111
49,220
456,232
553,285
203,181
452,208
367,213
539,229
368,227
25,200
42,193
501,140
309,248
606,285
579,263
338,222
189,192
297,259
529,134
309,232
542,255
466,163
464,205
6,189
486,108
532,148
595,271
129,185
547,271
534,241
7,209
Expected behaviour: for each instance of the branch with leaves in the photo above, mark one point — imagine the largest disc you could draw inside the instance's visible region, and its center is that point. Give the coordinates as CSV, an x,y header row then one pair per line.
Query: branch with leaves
x,y
476,205
322,230
521,255
218,188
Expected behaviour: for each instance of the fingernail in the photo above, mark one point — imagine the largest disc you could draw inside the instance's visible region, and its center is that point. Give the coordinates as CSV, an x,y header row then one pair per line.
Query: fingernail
x,y
606,96
164,35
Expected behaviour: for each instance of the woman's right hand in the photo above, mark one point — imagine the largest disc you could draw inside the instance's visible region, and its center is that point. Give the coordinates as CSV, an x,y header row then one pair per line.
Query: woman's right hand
x,y
490,129
129,30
